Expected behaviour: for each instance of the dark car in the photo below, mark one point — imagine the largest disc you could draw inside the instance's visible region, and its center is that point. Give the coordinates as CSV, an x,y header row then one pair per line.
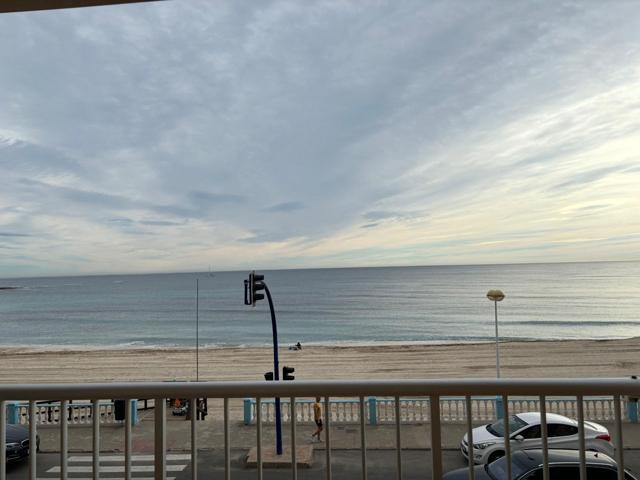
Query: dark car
x,y
563,465
18,442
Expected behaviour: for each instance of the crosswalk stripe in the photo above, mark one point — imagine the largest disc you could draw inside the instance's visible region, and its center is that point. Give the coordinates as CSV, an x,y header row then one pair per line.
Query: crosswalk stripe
x,y
105,478
115,468
134,458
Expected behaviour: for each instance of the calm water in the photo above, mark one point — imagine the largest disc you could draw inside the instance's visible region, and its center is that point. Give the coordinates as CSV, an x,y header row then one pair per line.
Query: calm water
x,y
329,306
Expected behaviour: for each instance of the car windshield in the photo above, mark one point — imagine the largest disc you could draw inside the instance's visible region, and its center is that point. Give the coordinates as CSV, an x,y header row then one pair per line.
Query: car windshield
x,y
498,469
515,424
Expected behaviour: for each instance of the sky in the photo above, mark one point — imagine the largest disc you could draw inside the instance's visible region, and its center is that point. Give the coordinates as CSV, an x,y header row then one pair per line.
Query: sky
x,y
232,135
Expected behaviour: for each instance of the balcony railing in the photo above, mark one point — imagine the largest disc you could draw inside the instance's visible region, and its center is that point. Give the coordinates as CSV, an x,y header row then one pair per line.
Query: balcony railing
x,y
434,390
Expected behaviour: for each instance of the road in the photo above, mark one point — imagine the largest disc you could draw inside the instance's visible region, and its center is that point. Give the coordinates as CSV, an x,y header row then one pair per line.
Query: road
x,y
345,465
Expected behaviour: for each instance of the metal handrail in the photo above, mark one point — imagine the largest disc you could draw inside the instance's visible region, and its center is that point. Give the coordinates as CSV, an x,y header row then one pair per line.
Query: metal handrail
x,y
338,388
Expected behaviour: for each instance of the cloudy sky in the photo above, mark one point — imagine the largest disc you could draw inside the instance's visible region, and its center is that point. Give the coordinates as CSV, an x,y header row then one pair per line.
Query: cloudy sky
x,y
185,135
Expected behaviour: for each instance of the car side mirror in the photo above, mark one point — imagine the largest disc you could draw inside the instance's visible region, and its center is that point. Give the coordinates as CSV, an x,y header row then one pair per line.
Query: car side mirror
x,y
519,438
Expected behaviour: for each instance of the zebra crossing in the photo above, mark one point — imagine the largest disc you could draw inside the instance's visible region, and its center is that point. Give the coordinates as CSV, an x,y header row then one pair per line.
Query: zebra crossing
x,y
80,467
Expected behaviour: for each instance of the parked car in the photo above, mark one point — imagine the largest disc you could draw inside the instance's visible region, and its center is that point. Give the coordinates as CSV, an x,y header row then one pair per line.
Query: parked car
x,y
17,440
563,465
525,432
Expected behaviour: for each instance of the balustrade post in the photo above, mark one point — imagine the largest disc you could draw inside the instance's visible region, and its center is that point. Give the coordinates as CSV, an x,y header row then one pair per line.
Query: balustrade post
x,y
632,409
499,408
13,413
134,412
247,411
373,413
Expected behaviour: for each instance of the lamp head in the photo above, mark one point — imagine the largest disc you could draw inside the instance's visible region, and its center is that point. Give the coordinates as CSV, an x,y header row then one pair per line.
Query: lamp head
x,y
495,295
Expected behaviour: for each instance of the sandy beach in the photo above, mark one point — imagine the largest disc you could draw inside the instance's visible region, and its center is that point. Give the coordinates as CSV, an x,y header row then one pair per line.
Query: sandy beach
x,y
579,358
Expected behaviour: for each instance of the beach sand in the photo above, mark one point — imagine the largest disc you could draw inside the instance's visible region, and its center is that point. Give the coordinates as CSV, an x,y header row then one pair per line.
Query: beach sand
x,y
579,358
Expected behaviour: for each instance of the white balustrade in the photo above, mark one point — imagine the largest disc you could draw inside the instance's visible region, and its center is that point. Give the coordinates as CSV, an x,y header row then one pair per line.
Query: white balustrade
x,y
453,410
49,413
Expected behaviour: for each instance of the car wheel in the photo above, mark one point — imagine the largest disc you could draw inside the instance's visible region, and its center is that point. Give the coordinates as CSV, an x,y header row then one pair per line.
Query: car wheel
x,y
495,455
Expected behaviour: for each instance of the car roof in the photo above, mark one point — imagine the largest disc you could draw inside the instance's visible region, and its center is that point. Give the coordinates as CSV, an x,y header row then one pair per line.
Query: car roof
x,y
533,418
533,458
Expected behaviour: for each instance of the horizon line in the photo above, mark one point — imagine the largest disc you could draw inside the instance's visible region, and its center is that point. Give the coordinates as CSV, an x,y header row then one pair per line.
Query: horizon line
x,y
209,272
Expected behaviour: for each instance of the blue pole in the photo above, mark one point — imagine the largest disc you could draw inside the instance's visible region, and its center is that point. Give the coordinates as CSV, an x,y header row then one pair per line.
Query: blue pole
x,y
276,371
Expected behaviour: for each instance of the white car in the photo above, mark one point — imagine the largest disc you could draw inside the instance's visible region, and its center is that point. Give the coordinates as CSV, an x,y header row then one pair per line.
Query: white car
x,y
525,432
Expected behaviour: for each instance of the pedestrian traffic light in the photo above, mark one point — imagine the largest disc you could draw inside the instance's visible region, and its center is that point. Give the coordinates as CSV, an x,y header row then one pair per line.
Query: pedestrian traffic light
x,y
287,373
268,376
119,409
251,287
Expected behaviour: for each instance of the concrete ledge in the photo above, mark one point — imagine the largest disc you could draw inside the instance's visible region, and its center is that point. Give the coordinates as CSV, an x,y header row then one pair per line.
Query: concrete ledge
x,y
304,457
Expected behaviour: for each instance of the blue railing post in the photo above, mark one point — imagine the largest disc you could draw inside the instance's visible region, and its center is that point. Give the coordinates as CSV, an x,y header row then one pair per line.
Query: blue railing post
x,y
13,413
134,413
247,411
632,410
373,411
499,408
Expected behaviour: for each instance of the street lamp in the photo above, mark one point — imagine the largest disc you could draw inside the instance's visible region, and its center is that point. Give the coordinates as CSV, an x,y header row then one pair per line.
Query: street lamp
x,y
496,296
198,325
197,329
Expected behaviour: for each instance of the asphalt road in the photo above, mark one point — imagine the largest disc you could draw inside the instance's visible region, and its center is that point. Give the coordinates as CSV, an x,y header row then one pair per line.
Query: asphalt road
x,y
345,465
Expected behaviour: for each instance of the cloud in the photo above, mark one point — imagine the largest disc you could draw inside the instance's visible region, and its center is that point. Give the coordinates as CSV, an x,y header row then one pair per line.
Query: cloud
x,y
268,237
588,177
154,137
285,207
392,215
208,198
80,196
159,223
13,234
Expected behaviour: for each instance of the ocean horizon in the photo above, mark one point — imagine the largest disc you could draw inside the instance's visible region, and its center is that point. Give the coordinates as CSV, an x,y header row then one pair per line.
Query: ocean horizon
x,y
327,306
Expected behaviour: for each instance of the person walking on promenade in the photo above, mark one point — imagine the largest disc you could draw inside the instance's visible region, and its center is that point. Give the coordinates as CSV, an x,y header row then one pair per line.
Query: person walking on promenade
x,y
202,408
317,417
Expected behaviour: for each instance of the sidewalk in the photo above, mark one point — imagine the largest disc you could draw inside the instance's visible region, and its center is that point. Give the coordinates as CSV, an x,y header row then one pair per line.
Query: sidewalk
x,y
210,436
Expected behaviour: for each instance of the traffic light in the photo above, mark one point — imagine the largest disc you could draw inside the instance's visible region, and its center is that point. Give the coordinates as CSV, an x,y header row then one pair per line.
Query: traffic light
x,y
268,376
251,287
287,373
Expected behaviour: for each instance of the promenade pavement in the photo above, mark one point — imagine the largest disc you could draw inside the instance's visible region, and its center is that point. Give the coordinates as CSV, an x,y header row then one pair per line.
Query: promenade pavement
x,y
345,465
210,436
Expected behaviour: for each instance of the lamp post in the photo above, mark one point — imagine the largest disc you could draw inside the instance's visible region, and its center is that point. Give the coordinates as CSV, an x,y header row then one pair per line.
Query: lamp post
x,y
197,329
496,296
198,325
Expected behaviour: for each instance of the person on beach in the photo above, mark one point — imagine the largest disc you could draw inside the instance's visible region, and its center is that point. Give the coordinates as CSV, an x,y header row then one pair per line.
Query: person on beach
x,y
317,417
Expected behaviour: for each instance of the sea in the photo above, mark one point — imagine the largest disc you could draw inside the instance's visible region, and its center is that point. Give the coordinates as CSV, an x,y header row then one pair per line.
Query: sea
x,y
336,306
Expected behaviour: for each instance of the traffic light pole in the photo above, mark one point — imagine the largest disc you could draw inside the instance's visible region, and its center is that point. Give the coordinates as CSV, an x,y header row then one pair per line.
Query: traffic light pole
x,y
276,370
